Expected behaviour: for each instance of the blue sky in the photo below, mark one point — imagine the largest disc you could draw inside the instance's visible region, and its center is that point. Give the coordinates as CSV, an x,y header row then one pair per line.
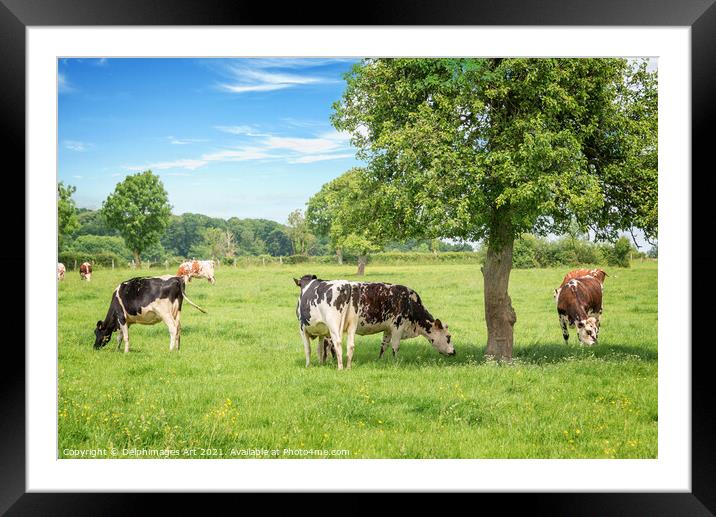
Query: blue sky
x,y
228,137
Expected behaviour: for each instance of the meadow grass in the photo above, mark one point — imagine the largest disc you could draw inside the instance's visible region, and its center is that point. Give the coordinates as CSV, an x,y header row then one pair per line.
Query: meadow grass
x,y
239,382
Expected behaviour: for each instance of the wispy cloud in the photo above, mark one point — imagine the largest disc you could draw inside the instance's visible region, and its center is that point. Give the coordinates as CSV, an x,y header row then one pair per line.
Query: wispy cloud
x,y
76,145
330,145
246,79
101,61
319,158
184,141
240,130
63,84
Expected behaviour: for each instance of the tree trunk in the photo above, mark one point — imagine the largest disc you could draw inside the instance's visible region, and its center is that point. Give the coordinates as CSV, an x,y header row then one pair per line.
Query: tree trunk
x,y
361,265
339,255
499,314
137,259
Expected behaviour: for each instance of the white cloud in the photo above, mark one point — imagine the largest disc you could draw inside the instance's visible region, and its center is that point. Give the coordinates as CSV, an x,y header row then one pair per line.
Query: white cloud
x,y
319,158
184,141
240,130
236,155
176,164
63,84
245,79
75,145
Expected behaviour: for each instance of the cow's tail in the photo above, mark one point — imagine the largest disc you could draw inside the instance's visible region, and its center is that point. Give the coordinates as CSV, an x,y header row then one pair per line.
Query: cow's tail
x,y
187,298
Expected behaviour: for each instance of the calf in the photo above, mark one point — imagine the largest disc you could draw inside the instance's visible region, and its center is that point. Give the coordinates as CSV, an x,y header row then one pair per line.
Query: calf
x,y
579,302
197,268
60,271
327,309
86,271
144,300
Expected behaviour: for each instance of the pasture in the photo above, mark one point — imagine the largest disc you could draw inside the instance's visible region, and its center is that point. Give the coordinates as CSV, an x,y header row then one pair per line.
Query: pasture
x,y
239,383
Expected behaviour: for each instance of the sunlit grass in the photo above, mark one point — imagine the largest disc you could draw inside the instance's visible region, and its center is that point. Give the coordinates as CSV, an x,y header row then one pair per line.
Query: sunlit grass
x,y
239,380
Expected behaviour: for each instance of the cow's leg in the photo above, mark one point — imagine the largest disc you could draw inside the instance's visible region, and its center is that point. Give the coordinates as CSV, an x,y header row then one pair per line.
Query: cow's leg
x,y
351,343
124,329
169,321
306,347
384,344
177,324
564,322
337,338
395,343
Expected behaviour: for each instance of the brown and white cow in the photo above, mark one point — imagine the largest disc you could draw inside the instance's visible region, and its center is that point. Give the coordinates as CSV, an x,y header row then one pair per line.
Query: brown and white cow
x,y
328,308
597,273
197,268
60,271
579,303
144,300
86,271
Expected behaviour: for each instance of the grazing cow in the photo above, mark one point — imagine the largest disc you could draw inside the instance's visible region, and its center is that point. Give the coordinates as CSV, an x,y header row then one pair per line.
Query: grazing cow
x,y
579,302
144,300
597,273
328,308
60,271
86,271
197,268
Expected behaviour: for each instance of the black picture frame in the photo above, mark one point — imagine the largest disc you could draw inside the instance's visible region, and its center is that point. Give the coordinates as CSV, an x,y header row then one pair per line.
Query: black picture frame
x,y
17,15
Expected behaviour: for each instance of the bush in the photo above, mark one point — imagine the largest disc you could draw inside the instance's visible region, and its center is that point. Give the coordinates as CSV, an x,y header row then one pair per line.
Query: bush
x,y
102,259
618,254
93,244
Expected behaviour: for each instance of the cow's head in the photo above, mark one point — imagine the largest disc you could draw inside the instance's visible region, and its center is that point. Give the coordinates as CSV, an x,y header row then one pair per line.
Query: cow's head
x,y
102,334
587,331
440,338
304,280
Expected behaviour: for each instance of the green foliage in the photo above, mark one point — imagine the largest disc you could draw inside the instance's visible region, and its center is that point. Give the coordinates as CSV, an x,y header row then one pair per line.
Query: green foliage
x,y
70,258
619,254
93,244
139,209
67,221
91,222
488,149
300,234
653,251
278,243
343,211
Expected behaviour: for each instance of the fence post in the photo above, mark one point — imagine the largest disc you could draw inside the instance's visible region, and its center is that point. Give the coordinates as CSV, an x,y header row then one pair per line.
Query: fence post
x,y
112,263
234,261
263,261
280,260
74,268
166,264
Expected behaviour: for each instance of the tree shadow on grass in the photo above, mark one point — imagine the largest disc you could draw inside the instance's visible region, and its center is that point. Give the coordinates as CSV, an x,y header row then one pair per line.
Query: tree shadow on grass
x,y
550,353
538,354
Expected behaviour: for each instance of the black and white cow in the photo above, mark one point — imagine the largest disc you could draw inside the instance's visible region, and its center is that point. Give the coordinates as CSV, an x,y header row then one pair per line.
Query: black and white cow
x,y
329,308
144,300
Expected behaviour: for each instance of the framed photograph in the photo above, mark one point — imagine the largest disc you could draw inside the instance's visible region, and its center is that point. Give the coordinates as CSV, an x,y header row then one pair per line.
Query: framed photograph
x,y
424,182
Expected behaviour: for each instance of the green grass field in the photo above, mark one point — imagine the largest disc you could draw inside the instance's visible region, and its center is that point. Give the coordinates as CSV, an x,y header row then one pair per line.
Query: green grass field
x,y
239,383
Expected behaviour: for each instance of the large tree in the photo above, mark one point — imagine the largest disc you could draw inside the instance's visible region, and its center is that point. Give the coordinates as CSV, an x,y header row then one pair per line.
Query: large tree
x,y
344,211
67,221
139,209
488,149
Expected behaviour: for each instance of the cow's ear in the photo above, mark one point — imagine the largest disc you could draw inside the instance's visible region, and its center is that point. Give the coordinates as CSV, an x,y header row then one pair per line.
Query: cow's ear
x,y
580,324
99,324
314,277
438,324
297,282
